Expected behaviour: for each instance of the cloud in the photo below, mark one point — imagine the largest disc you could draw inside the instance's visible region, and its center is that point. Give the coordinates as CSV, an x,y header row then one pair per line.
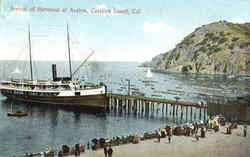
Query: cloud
x,y
157,27
237,20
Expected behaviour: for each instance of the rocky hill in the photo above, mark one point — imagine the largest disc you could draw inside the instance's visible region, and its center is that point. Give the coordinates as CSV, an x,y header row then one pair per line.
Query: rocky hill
x,y
216,48
155,60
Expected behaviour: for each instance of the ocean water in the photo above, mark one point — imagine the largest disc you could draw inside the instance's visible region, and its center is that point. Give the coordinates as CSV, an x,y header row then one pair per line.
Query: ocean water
x,y
49,127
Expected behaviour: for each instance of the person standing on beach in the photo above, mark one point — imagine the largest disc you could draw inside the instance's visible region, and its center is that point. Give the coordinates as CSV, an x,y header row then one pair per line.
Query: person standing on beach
x,y
159,136
88,145
60,154
169,134
105,151
196,136
76,153
83,148
110,151
245,131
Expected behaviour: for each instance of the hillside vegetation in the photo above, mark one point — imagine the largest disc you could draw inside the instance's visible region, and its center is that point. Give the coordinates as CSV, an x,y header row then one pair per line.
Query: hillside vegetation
x,y
217,48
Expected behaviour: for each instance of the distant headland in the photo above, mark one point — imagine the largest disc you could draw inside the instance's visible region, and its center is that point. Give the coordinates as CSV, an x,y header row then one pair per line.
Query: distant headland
x,y
216,48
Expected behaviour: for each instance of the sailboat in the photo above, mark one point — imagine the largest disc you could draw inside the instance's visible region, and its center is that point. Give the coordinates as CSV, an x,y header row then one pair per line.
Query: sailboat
x,y
16,71
59,91
149,73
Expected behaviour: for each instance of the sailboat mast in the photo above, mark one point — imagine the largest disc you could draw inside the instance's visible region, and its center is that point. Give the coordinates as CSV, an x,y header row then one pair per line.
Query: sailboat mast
x,y
70,70
31,72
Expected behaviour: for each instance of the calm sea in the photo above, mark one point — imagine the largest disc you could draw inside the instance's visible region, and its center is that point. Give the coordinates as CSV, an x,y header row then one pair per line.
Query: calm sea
x,y
48,127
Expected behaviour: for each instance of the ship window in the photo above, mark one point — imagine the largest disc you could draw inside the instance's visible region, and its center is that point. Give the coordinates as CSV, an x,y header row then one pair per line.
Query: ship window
x,y
77,93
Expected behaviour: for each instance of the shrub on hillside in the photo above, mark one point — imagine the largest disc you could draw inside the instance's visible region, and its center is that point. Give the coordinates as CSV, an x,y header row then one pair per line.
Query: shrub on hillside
x,y
235,39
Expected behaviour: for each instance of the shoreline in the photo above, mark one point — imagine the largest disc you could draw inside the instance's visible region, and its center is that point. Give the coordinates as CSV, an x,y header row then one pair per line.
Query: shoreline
x,y
214,144
191,73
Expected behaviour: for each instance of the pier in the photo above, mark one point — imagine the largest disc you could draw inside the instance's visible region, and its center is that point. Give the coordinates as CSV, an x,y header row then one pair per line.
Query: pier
x,y
176,109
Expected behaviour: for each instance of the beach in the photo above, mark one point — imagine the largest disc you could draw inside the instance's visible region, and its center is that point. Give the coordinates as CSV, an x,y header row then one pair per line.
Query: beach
x,y
217,144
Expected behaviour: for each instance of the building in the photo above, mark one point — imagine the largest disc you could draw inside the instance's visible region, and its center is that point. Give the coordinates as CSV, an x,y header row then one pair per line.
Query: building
x,y
234,110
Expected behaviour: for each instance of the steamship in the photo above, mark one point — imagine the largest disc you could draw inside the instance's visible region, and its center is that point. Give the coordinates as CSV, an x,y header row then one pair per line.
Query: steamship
x,y
59,91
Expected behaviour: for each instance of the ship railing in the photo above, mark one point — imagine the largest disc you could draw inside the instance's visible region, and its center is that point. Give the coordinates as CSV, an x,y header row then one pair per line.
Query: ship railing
x,y
11,86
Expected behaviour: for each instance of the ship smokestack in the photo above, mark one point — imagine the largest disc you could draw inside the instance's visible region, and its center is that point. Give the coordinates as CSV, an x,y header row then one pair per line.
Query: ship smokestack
x,y
54,74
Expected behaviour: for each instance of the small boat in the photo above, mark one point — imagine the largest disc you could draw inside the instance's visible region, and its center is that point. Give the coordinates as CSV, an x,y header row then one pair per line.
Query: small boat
x,y
137,93
17,113
135,89
156,95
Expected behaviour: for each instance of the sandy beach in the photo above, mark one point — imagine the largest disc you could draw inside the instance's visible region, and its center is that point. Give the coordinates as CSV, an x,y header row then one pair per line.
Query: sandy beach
x,y
216,144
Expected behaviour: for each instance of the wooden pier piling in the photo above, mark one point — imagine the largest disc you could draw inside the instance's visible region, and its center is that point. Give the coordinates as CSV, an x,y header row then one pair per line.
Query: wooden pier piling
x,y
173,110
195,116
204,114
186,113
200,114
191,114
182,107
135,106
166,109
147,106
177,106
162,108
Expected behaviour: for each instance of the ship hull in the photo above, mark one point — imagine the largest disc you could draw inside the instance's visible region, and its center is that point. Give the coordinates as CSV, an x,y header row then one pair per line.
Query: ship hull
x,y
96,101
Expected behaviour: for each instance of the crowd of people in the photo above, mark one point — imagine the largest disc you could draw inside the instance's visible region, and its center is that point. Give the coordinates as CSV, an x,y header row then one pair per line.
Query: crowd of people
x,y
186,130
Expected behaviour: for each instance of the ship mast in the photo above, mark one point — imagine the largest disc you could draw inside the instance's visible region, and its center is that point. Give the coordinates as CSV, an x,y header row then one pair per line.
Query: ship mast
x,y
31,72
70,70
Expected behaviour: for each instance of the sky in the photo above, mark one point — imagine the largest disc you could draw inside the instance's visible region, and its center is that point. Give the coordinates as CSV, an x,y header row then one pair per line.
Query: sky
x,y
117,30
